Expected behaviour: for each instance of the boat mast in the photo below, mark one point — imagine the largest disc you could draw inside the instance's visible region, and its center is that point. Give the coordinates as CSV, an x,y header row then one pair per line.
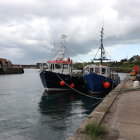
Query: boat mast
x,y
63,43
102,47
103,54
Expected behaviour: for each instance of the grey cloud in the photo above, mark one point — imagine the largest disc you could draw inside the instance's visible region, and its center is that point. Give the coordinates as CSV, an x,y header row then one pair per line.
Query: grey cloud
x,y
127,8
31,28
51,9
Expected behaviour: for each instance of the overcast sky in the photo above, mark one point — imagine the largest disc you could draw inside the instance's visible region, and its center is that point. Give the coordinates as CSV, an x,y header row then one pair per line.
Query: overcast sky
x,y
29,28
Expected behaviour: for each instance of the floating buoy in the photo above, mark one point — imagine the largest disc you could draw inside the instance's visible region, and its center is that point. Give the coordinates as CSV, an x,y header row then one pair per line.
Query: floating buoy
x,y
62,83
106,85
72,85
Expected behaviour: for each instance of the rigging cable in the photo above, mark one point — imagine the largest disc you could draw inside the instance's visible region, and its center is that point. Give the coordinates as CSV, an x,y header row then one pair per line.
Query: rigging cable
x,y
74,54
52,52
96,53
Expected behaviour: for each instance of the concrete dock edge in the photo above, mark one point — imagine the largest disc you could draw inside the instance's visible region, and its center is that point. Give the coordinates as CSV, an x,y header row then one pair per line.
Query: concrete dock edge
x,y
99,112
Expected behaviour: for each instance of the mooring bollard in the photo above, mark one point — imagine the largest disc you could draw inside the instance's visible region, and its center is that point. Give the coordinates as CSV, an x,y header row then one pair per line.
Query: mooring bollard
x,y
136,84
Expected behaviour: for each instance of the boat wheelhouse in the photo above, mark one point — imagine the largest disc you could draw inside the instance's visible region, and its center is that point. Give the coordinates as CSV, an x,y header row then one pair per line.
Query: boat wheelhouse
x,y
60,66
98,69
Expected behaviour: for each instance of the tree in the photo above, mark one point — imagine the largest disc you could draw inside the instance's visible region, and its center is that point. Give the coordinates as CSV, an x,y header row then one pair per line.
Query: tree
x,y
123,60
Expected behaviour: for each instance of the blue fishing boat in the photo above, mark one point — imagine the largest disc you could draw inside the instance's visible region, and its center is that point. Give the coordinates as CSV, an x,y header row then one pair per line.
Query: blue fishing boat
x,y
100,78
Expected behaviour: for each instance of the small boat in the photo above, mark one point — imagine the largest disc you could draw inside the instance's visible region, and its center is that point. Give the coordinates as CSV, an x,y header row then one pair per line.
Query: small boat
x,y
59,74
100,78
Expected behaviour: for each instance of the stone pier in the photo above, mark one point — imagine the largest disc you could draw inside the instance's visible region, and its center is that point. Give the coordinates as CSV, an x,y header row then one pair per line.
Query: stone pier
x,y
119,112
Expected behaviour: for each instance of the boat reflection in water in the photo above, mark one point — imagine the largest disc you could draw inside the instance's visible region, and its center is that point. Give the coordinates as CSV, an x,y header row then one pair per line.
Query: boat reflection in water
x,y
65,112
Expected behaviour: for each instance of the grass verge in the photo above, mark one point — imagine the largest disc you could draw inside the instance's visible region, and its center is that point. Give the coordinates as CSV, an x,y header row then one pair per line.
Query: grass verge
x,y
94,131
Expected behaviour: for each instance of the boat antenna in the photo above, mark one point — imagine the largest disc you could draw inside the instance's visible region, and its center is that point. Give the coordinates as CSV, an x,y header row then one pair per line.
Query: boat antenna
x,y
64,44
64,38
102,47
103,54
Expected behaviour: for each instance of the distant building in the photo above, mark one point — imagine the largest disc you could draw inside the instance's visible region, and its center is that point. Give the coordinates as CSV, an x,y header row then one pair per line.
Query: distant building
x,y
40,64
135,58
5,63
31,66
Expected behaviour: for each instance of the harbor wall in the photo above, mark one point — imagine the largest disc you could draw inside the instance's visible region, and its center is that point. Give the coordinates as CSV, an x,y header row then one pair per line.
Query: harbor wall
x,y
11,70
98,113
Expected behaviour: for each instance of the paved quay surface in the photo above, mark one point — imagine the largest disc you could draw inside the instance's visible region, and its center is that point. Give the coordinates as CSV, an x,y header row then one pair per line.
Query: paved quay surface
x,y
119,112
123,119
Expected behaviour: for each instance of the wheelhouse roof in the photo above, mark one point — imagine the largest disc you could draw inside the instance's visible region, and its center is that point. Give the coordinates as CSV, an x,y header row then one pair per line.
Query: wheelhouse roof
x,y
59,61
97,66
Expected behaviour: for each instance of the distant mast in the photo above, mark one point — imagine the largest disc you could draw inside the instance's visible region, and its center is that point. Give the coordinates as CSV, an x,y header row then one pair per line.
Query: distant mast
x,y
63,43
103,54
64,37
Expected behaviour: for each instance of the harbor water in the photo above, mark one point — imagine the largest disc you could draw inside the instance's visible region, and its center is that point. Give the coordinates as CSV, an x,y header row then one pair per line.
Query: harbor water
x,y
27,113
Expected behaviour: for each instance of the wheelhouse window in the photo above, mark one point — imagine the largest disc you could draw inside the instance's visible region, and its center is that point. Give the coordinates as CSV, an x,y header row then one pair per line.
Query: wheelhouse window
x,y
87,69
52,66
97,70
91,70
103,71
108,71
65,66
57,66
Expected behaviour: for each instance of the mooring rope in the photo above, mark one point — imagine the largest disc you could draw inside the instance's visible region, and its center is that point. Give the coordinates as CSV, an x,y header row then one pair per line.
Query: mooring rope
x,y
77,90
96,103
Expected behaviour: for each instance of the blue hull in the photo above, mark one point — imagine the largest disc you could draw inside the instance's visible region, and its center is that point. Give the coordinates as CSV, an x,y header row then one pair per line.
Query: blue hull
x,y
94,83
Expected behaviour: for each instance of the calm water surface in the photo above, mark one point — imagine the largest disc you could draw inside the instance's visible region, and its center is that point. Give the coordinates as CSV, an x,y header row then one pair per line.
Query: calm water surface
x,y
26,113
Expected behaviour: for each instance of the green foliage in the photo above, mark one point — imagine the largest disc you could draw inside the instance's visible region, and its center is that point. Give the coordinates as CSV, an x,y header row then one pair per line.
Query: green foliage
x,y
108,111
122,66
124,69
94,130
123,60
78,66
